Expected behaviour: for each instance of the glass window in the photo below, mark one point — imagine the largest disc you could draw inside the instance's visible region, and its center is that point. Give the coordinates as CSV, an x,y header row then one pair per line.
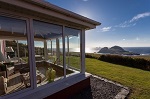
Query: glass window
x,y
48,37
48,40
52,50
14,66
12,26
72,41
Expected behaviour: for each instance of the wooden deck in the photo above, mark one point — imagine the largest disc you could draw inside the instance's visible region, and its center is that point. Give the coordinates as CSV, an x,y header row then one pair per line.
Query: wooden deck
x,y
14,83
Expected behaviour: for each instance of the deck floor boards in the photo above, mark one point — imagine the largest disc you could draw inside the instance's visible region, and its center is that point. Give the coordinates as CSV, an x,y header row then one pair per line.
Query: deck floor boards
x,y
14,83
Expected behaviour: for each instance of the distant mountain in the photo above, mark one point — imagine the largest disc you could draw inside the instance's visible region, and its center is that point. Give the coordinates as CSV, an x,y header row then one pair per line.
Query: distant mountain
x,y
116,50
105,50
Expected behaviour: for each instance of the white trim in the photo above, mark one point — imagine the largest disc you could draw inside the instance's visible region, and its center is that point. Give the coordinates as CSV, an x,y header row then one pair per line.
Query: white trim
x,y
57,51
53,87
5,12
64,11
66,16
49,89
68,50
18,51
29,50
45,50
64,51
51,49
82,50
6,96
32,58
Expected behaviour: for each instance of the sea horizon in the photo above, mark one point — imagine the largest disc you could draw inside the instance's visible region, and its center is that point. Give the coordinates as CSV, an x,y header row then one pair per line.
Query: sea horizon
x,y
139,50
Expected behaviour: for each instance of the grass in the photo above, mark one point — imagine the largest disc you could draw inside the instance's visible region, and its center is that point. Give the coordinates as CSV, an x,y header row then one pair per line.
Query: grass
x,y
74,61
137,80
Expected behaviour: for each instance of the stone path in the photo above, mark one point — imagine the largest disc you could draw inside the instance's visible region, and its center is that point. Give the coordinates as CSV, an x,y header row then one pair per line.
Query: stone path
x,y
101,88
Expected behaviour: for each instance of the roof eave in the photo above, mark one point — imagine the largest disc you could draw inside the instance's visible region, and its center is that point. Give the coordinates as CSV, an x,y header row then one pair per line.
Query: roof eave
x,y
45,8
64,11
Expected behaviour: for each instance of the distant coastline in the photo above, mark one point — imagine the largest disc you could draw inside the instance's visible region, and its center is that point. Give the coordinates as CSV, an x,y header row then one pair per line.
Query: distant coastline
x,y
116,50
140,50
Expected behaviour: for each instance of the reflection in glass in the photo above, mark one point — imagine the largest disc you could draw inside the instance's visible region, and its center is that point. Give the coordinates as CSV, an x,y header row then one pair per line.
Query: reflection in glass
x,y
14,67
51,50
72,39
48,37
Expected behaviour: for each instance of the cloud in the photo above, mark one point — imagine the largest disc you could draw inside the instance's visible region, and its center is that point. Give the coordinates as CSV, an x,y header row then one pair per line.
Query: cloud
x,y
139,16
132,21
106,29
128,23
124,39
125,24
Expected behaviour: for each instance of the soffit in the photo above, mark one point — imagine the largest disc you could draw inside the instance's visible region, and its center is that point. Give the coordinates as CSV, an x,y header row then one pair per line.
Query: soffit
x,y
44,12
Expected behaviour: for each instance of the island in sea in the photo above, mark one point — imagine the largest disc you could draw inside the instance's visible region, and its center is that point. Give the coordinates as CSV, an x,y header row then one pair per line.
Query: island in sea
x,y
116,50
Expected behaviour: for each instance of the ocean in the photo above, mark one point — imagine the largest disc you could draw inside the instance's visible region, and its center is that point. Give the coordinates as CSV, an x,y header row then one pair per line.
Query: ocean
x,y
139,50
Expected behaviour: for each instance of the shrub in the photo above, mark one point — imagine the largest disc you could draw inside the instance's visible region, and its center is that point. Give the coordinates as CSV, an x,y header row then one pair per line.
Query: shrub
x,y
88,56
95,56
127,61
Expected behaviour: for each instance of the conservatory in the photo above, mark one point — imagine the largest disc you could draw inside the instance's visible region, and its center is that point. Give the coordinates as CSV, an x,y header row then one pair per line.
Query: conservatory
x,y
42,48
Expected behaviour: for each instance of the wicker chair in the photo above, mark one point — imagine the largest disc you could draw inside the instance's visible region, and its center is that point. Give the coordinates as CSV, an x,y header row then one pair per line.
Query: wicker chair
x,y
3,83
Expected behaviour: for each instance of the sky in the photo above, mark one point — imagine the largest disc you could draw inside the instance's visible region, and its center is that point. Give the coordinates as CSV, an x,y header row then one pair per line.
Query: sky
x,y
125,23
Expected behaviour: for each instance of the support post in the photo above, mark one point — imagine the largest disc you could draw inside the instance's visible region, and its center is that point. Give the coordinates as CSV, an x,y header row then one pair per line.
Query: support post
x,y
82,50
32,54
3,46
51,48
25,51
45,50
64,51
18,51
57,51
68,50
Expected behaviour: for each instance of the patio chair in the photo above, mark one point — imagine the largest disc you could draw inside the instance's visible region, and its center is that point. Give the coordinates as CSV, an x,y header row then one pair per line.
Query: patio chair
x,y
9,68
3,83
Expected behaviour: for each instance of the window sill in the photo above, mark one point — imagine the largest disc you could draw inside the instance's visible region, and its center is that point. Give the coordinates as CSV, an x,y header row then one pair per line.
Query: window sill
x,y
49,89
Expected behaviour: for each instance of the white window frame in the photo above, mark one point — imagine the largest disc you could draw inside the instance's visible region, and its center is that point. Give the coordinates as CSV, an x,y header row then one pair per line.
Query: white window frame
x,y
32,64
64,52
29,50
82,50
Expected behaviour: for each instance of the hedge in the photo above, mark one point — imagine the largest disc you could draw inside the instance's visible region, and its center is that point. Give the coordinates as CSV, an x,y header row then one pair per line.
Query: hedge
x,y
127,61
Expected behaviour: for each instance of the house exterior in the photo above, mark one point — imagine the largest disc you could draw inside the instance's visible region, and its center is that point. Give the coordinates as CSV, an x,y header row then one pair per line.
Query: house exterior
x,y
48,53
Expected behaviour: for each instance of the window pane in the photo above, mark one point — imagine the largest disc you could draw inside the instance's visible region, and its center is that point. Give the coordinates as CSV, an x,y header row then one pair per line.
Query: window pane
x,y
48,37
52,50
72,48
12,26
14,67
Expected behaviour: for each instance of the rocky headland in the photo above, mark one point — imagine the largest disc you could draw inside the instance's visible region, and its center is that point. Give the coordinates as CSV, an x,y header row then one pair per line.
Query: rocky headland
x,y
116,50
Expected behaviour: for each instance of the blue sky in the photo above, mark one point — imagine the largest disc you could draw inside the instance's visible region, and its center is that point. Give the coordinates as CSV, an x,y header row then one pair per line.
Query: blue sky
x,y
125,23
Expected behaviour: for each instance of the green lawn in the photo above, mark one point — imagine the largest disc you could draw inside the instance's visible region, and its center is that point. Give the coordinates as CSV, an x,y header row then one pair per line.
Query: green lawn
x,y
136,79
